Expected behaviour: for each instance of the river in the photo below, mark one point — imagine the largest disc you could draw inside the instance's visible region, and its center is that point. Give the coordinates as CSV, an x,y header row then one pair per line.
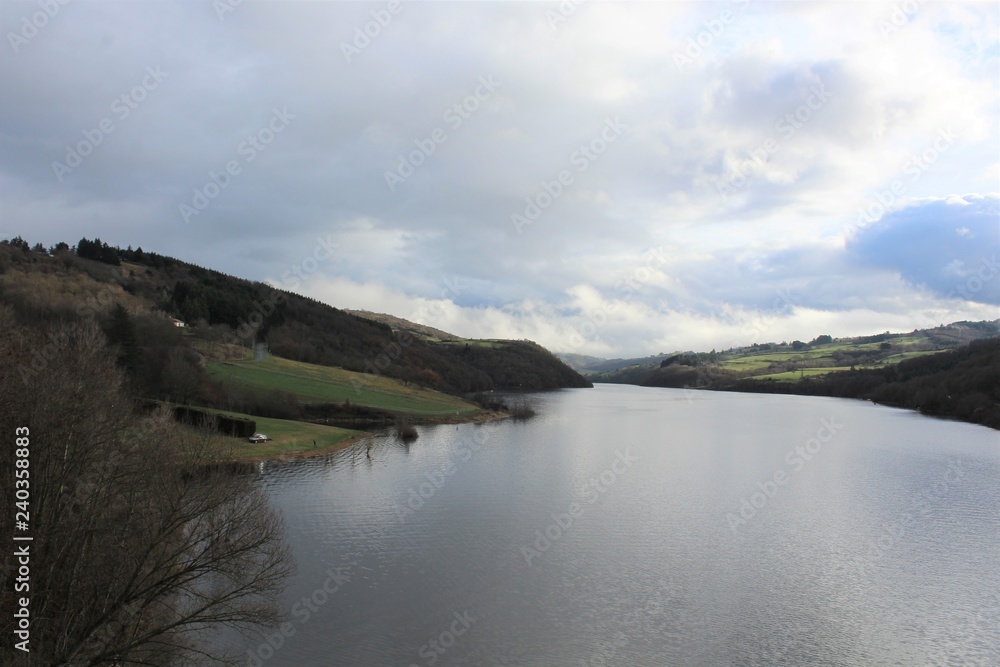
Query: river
x,y
640,526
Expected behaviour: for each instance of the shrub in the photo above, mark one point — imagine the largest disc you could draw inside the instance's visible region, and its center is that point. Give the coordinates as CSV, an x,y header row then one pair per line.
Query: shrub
x,y
240,427
405,431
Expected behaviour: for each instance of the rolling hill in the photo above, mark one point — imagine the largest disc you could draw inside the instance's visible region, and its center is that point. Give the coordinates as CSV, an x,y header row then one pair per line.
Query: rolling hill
x,y
314,385
224,309
784,362
185,335
949,371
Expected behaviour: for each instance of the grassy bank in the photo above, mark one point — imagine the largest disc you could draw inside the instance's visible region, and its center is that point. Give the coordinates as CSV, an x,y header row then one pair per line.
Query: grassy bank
x,y
311,384
288,438
323,384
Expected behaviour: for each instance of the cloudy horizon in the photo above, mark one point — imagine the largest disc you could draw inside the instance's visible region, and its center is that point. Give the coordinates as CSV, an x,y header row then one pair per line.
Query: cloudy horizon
x,y
607,179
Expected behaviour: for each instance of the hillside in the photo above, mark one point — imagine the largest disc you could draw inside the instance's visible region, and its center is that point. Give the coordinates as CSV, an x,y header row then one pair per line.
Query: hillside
x,y
948,371
310,390
590,366
788,362
399,324
963,383
94,279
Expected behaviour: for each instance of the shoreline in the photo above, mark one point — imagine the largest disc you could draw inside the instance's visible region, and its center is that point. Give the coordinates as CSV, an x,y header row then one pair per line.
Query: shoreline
x,y
349,441
361,436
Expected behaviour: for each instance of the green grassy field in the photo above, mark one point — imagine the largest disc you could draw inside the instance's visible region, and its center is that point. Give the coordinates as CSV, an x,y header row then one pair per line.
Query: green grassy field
x,y
796,375
810,363
903,356
323,384
287,437
785,364
747,364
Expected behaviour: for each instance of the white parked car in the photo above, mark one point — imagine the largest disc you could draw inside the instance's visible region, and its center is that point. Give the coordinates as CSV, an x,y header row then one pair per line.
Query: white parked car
x,y
259,437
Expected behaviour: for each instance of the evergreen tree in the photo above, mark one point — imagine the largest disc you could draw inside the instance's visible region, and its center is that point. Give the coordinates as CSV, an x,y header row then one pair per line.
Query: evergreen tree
x,y
121,333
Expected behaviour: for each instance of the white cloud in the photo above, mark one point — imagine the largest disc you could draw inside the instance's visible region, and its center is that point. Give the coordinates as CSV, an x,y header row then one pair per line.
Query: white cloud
x,y
721,116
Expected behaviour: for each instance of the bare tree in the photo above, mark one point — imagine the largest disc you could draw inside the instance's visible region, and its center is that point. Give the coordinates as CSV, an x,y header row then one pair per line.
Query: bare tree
x,y
181,377
144,545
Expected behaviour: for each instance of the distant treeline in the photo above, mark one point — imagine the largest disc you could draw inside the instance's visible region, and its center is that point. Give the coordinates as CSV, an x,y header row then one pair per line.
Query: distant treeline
x,y
87,249
960,384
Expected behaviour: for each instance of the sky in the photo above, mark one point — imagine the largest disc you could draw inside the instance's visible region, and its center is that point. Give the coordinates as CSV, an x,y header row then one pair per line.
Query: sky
x,y
611,179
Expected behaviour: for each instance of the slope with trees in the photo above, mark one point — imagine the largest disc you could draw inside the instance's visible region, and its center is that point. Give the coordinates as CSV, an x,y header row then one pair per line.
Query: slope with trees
x,y
961,384
948,371
222,309
139,550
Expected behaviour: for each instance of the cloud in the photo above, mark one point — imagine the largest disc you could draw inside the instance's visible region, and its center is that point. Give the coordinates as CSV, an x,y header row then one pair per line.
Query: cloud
x,y
742,165
948,246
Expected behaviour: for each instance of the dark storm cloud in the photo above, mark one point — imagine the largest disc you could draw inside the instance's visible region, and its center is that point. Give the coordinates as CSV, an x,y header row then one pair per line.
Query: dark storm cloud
x,y
949,246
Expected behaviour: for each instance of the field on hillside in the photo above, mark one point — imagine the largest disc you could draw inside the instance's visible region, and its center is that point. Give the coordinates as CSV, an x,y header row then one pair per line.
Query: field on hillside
x,y
786,361
793,365
324,384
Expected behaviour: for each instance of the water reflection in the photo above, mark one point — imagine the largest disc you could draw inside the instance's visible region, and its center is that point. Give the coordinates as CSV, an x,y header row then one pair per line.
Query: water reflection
x,y
875,551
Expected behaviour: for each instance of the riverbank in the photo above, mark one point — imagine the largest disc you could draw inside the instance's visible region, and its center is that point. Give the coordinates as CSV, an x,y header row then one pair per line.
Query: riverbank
x,y
296,454
328,443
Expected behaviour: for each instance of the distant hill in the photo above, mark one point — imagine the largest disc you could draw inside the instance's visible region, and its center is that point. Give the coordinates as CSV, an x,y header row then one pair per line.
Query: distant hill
x,y
947,371
578,362
588,365
510,364
963,383
399,324
787,361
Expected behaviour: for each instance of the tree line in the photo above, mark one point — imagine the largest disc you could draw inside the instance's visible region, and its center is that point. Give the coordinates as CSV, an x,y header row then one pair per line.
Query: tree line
x,y
961,384
142,547
223,309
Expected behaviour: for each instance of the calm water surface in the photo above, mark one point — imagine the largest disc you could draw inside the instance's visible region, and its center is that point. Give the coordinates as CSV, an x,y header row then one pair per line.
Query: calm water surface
x,y
639,526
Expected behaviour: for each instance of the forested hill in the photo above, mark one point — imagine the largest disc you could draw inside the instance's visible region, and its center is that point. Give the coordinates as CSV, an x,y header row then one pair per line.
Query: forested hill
x,y
948,371
142,288
960,384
